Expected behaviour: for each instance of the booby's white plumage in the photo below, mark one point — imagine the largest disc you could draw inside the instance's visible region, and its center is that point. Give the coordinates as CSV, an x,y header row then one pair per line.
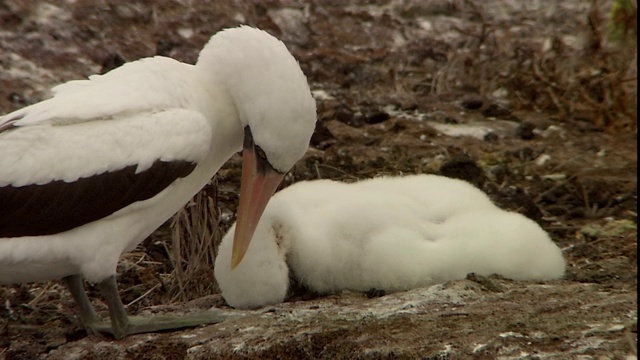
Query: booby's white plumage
x,y
144,138
386,233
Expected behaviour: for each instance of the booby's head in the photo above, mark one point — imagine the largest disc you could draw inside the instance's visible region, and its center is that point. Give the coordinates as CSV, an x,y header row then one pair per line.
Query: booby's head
x,y
275,107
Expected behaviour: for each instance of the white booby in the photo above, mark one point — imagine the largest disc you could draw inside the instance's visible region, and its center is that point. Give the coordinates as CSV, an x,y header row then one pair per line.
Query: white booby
x,y
92,171
387,234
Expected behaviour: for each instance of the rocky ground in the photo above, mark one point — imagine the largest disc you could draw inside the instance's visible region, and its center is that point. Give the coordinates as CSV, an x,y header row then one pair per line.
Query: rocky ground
x,y
534,102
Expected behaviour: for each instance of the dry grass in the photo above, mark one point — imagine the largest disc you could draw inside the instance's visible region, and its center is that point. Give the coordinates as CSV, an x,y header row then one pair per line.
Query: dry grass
x,y
594,80
195,238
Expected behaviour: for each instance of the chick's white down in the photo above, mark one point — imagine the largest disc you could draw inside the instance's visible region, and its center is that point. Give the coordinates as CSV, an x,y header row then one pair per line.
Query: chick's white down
x,y
387,233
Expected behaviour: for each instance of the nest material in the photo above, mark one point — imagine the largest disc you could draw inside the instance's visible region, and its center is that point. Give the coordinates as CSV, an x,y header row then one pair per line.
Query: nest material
x,y
196,234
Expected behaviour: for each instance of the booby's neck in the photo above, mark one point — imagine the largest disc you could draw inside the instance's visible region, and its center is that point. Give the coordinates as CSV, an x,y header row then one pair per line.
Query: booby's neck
x,y
227,129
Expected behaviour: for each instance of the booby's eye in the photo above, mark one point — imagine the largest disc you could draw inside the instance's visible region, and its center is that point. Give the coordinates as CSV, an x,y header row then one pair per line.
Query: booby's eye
x,y
263,164
260,153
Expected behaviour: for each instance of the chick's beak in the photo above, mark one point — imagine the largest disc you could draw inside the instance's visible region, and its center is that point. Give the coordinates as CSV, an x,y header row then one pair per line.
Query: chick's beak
x,y
259,182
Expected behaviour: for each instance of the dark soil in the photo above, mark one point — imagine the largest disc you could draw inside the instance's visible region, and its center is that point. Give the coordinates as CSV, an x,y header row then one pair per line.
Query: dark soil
x,y
532,102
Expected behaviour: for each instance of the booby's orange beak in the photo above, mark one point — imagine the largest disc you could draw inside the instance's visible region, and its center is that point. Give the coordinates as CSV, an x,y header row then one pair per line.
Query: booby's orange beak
x,y
259,182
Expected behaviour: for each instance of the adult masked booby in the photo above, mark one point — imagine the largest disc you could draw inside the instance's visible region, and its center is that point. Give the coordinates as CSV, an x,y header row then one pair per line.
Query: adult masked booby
x,y
388,234
92,171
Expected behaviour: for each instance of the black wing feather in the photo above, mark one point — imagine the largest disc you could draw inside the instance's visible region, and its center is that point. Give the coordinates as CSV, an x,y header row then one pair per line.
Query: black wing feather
x,y
58,206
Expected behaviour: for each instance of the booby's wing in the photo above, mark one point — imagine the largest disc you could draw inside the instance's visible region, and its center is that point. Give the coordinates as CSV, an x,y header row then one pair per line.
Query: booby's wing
x,y
146,84
97,146
55,178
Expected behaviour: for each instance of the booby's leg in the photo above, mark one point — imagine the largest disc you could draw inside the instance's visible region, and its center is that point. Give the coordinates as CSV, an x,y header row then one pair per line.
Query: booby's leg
x,y
123,325
88,316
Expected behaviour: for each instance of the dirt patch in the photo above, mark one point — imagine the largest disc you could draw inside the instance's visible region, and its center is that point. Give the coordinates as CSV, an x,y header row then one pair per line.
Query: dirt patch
x,y
533,103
